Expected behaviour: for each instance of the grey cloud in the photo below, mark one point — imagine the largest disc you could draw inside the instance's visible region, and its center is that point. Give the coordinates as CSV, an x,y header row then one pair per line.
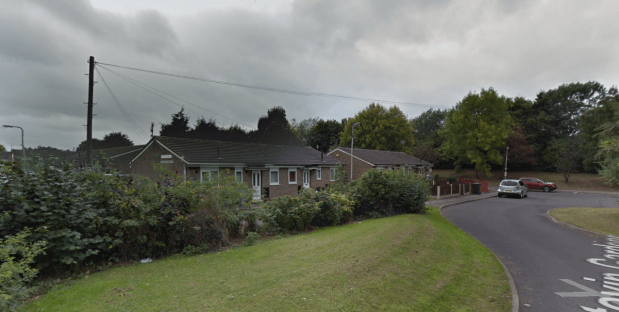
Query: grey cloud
x,y
431,52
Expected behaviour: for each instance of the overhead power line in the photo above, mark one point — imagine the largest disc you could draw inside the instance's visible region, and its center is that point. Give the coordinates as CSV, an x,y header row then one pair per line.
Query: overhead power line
x,y
300,93
123,111
145,86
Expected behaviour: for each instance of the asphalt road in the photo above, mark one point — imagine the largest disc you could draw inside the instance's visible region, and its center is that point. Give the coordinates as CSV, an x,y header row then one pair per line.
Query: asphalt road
x,y
549,263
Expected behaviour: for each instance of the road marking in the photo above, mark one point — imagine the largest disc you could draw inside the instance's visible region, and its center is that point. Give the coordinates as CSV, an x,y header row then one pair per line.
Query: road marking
x,y
588,292
589,279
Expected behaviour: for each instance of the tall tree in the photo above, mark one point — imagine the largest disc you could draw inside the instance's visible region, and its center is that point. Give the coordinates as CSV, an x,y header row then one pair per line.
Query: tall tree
x,y
563,154
325,134
205,130
380,128
113,139
302,129
476,129
521,153
589,127
274,128
2,149
428,124
427,138
179,127
234,133
608,154
556,112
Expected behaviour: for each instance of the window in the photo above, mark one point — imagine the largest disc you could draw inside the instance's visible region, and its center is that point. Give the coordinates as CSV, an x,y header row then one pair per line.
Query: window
x,y
209,174
319,174
238,174
274,174
292,176
509,183
332,174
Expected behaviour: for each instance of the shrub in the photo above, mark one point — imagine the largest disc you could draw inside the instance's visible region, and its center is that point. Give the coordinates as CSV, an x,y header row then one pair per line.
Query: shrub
x,y
16,256
334,208
251,238
436,177
452,179
289,213
91,217
390,192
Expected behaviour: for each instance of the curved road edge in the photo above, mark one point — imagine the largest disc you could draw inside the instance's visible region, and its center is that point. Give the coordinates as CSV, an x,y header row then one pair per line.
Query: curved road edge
x,y
512,285
572,227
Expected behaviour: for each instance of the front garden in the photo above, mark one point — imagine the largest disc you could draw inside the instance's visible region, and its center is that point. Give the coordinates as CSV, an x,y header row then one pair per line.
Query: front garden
x,y
58,222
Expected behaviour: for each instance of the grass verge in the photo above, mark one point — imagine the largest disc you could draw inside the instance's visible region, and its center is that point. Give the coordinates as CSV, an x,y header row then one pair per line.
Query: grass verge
x,y
599,220
402,263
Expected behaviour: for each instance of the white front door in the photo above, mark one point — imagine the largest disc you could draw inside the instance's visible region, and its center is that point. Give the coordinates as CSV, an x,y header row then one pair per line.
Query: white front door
x,y
256,183
306,178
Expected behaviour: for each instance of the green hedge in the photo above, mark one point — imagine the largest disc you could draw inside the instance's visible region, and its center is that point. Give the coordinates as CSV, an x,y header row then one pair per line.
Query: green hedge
x,y
92,217
386,193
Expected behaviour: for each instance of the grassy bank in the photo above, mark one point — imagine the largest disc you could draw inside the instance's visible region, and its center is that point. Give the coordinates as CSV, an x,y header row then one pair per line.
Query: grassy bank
x,y
599,220
408,262
577,181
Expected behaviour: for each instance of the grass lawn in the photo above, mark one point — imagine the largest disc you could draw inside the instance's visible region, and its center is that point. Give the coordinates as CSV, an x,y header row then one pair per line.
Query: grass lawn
x,y
402,263
599,220
577,181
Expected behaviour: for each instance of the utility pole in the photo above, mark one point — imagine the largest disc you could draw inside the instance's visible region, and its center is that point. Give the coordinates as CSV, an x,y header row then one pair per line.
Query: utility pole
x,y
91,85
506,151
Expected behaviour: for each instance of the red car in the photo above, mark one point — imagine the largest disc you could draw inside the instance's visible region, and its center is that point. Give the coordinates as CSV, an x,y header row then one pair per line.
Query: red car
x,y
537,184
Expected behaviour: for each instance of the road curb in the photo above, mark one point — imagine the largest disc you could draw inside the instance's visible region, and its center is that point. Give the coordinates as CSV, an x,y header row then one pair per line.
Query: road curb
x,y
512,284
572,227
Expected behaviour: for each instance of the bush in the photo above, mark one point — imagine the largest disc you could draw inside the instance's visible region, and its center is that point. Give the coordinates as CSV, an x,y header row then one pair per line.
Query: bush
x,y
251,238
16,256
335,208
91,217
390,192
289,213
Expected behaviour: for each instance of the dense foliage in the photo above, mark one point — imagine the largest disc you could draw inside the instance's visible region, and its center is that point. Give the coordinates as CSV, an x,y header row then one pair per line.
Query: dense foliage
x,y
16,257
91,217
385,193
297,213
380,128
476,129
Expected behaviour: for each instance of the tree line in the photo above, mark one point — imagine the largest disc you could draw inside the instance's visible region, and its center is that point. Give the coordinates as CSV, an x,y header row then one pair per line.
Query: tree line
x,y
573,127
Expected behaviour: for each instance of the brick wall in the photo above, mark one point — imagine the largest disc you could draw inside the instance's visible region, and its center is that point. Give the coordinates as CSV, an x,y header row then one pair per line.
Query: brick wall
x,y
152,155
359,168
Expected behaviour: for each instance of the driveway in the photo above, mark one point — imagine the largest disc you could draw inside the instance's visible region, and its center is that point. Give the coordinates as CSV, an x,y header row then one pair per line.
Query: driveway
x,y
554,268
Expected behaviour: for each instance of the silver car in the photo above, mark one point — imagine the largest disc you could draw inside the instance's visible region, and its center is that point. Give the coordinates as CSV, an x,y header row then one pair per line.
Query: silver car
x,y
514,188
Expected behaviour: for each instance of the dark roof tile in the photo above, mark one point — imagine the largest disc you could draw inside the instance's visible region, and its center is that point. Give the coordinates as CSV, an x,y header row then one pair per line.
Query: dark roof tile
x,y
381,158
197,151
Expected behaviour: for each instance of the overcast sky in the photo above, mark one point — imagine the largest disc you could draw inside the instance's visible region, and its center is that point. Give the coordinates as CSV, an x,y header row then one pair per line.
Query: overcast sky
x,y
422,53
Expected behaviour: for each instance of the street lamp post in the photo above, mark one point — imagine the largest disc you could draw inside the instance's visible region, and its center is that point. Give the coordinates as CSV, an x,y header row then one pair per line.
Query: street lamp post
x,y
506,150
352,140
23,147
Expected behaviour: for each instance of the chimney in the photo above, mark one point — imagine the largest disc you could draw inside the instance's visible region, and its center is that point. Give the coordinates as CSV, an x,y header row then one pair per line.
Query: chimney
x,y
322,157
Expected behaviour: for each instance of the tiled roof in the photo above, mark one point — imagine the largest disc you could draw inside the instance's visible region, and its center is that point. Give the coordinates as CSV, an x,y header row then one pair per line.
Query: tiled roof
x,y
382,158
196,151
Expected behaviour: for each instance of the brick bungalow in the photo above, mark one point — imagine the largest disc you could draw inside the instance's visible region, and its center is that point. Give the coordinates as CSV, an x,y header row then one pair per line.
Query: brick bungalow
x,y
366,159
271,170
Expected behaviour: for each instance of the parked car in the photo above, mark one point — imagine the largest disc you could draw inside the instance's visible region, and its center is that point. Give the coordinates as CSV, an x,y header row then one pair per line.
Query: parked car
x,y
537,184
513,188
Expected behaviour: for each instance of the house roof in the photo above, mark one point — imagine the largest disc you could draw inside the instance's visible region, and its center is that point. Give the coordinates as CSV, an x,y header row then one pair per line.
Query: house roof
x,y
381,158
198,151
116,151
6,156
